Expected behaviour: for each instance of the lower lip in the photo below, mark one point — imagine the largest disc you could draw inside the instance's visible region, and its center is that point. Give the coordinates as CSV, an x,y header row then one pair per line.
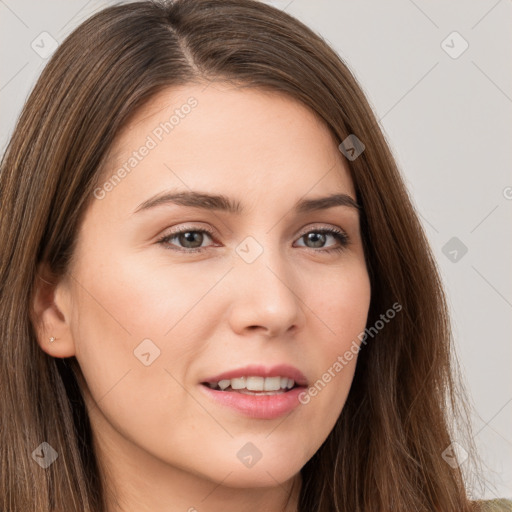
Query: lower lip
x,y
266,407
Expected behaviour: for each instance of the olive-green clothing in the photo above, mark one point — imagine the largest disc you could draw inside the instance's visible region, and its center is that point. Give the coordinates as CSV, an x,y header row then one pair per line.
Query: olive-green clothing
x,y
499,505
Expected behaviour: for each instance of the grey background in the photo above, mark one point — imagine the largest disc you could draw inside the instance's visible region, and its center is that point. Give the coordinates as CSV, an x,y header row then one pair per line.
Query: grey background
x,y
448,121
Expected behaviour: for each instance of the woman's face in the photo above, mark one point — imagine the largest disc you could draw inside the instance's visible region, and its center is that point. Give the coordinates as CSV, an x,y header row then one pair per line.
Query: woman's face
x,y
154,315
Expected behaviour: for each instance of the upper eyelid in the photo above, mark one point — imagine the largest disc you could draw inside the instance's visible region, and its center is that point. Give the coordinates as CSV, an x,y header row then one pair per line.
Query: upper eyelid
x,y
213,232
319,227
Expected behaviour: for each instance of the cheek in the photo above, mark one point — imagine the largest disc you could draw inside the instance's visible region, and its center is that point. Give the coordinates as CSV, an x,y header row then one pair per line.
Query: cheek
x,y
140,323
153,296
341,305
131,298
134,344
340,299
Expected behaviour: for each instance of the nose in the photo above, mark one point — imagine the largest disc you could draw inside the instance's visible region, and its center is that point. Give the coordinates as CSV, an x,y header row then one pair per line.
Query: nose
x,y
266,296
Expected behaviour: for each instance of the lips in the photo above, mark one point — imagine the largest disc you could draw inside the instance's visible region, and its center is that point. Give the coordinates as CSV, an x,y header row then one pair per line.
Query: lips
x,y
258,405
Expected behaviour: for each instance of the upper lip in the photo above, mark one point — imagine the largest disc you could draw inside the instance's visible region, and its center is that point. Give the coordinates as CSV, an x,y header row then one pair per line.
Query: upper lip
x,y
280,370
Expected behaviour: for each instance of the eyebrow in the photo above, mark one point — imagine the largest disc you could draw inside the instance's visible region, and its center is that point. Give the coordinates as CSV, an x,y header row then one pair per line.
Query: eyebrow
x,y
221,202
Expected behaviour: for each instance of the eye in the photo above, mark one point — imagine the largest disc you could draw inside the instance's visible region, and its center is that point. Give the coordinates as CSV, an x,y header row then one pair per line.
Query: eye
x,y
318,238
190,238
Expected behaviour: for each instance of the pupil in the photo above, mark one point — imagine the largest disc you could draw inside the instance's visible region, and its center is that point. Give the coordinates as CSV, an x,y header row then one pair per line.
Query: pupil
x,y
320,239
190,236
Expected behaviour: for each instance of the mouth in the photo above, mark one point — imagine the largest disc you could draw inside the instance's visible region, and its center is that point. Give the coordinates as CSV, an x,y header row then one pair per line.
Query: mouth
x,y
257,391
254,385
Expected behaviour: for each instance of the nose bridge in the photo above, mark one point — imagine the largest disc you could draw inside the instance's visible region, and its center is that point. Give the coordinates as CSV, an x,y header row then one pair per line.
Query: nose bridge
x,y
265,295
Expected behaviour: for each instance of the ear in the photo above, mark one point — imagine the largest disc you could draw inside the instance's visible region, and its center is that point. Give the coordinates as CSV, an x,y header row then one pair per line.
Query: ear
x,y
51,313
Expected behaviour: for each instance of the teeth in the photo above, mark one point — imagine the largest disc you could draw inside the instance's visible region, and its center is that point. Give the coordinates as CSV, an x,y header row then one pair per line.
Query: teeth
x,y
255,383
252,383
223,384
272,384
238,383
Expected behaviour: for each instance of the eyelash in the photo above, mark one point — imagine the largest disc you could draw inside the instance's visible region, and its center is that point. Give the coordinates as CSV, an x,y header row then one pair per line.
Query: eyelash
x,y
341,236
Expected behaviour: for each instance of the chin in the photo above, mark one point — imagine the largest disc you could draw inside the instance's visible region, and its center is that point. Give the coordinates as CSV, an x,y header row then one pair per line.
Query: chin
x,y
265,476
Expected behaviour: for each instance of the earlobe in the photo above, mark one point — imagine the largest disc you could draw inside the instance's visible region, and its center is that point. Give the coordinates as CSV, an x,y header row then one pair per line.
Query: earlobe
x,y
51,314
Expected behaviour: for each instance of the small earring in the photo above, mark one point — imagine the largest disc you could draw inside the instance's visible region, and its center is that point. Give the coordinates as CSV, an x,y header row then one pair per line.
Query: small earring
x,y
52,339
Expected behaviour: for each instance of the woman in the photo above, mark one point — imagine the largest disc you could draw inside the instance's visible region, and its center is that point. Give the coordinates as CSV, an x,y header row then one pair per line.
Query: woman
x,y
217,294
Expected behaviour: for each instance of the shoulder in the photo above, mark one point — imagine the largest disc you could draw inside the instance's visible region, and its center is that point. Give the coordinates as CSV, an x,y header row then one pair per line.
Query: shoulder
x,y
498,505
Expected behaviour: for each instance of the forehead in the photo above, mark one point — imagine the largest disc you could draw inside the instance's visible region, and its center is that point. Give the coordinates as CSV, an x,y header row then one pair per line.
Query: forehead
x,y
220,137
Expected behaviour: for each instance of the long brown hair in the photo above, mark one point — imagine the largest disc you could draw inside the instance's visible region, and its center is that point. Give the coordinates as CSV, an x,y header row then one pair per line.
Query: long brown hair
x,y
406,404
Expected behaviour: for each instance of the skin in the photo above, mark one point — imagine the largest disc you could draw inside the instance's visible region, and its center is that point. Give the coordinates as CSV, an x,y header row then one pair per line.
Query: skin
x,y
162,443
